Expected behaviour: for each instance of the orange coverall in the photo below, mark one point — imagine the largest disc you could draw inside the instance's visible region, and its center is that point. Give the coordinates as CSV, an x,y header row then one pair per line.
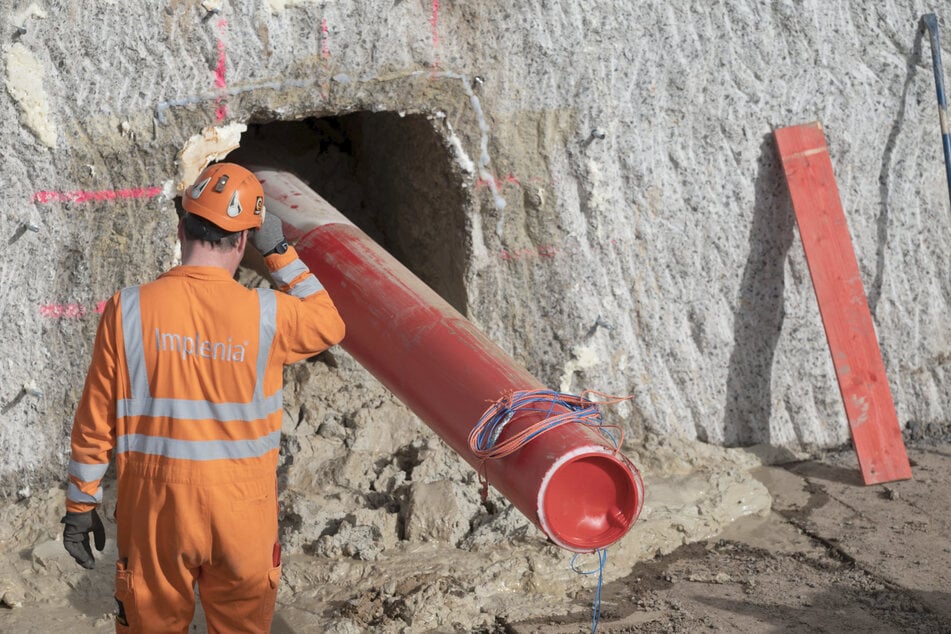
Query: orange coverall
x,y
184,389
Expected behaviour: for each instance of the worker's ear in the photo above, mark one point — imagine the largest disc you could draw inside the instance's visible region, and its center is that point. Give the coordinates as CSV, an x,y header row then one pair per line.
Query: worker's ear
x,y
243,241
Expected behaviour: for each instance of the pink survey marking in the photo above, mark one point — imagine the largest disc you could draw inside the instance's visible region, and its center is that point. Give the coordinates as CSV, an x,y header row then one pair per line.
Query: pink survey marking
x,y
222,110
434,23
83,196
498,182
70,311
324,39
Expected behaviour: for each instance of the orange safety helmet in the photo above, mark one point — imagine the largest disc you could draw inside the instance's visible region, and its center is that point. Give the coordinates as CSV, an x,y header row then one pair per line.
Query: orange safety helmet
x,y
228,196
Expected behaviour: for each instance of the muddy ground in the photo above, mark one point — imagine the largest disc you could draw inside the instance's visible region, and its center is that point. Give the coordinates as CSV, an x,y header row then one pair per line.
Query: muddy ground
x,y
831,555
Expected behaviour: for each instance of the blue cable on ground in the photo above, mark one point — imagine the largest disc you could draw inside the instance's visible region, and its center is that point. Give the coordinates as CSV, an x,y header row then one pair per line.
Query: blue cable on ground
x,y
602,554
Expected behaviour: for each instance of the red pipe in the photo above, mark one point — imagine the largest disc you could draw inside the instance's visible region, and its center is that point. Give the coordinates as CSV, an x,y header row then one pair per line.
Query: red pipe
x,y
580,491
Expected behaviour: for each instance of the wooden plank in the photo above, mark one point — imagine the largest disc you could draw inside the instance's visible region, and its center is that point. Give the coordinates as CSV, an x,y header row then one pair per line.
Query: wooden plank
x,y
843,306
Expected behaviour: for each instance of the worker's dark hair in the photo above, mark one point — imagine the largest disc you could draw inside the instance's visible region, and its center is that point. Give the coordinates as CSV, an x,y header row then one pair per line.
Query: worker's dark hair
x,y
197,228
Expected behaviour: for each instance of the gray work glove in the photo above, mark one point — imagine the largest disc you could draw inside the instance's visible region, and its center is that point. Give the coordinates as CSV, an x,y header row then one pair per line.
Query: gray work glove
x,y
76,536
270,237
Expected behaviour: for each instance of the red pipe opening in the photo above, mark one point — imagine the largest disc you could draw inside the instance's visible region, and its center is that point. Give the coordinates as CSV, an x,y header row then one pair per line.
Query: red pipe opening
x,y
585,501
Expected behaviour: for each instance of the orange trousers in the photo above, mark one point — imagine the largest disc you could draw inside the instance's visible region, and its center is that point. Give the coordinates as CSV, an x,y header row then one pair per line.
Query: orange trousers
x,y
174,536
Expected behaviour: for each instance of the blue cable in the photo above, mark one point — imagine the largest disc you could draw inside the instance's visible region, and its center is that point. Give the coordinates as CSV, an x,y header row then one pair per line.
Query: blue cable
x,y
596,608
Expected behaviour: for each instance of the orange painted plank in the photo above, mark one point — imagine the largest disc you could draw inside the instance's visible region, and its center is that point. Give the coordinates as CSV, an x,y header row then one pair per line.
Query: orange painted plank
x,y
843,306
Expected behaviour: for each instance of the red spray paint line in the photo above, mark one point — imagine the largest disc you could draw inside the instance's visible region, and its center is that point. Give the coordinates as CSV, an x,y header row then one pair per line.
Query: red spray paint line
x,y
498,182
70,311
434,23
324,39
222,111
84,196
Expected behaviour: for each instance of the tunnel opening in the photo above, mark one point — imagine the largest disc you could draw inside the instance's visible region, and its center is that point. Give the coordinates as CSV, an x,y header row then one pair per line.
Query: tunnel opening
x,y
390,174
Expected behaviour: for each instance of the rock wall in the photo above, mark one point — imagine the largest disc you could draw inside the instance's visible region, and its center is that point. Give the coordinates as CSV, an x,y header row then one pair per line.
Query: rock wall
x,y
594,185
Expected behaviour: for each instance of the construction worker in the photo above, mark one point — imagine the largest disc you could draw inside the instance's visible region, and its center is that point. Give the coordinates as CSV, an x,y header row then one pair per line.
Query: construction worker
x,y
184,389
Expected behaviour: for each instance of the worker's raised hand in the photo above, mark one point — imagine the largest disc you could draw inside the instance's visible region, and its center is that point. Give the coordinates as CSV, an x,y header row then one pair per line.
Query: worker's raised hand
x,y
76,536
270,237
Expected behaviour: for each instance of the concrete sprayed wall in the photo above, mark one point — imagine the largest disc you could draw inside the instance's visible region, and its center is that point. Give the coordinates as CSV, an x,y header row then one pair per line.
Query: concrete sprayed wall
x,y
593,184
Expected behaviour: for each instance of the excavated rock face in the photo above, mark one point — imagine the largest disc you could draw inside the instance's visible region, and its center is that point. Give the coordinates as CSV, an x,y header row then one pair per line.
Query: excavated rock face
x,y
594,185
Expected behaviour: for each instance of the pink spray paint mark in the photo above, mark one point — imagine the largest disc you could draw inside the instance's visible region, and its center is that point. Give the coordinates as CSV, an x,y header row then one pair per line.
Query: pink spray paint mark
x,y
498,182
70,311
57,311
83,196
324,39
434,23
222,110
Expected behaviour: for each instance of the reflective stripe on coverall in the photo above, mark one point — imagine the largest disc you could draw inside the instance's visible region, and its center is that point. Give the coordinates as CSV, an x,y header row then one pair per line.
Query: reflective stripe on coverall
x,y
185,389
